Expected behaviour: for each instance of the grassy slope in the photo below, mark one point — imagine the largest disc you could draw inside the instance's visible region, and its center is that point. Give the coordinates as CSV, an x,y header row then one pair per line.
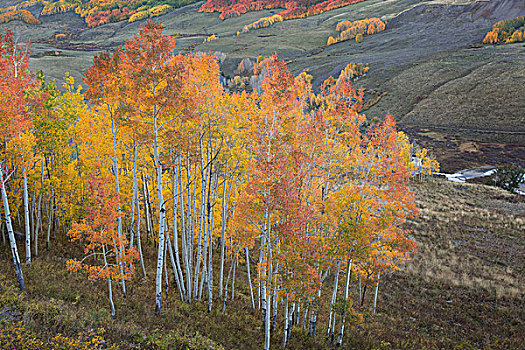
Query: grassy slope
x,y
464,288
452,95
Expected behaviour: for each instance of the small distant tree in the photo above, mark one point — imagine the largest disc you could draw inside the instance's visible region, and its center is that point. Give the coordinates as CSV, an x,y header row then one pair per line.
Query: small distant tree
x,y
509,177
104,257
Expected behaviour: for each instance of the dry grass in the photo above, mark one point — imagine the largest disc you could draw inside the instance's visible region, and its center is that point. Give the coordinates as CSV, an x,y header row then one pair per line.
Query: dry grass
x,y
464,289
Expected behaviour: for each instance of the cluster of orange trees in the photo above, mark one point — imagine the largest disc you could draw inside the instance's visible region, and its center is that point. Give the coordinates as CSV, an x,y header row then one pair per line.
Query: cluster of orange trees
x,y
292,9
94,12
155,149
507,31
349,30
18,14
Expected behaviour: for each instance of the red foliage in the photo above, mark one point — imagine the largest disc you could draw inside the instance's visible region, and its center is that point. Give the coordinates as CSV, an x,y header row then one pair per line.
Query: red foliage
x,y
293,9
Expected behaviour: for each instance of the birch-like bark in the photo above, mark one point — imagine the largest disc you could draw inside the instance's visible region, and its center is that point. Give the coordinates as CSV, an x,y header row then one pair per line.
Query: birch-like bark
x,y
32,215
224,221
347,285
206,227
375,294
305,317
329,329
146,206
39,220
173,264
274,302
139,244
26,217
204,176
267,338
162,214
290,322
249,276
226,286
211,217
164,263
110,290
50,216
176,234
184,234
189,222
11,234
120,253
38,223
134,196
286,323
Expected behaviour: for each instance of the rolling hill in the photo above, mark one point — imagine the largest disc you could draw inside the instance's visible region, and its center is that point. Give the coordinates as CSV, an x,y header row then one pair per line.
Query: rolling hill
x,y
428,68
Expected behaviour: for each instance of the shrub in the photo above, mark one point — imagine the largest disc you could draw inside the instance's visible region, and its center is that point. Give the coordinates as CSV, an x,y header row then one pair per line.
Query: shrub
x,y
509,177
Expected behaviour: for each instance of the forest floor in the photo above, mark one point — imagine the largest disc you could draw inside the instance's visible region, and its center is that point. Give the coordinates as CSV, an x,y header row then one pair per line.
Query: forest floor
x,y
464,289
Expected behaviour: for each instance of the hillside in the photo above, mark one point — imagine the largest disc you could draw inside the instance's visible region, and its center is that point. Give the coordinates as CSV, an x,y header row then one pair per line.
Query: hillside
x,y
464,289
428,68
333,211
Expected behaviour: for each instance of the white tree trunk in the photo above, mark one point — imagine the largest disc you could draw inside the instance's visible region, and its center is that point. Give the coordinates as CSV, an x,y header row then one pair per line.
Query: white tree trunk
x,y
26,217
347,285
110,290
267,338
176,234
139,243
286,323
162,215
329,330
120,252
375,294
209,243
50,217
12,241
249,276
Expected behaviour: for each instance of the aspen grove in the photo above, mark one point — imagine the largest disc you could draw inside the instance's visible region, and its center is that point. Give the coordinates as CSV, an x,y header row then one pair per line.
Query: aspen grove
x,y
293,186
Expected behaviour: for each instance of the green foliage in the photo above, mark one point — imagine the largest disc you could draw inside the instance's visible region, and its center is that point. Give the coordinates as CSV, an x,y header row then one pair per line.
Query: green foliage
x,y
173,339
509,177
14,335
9,297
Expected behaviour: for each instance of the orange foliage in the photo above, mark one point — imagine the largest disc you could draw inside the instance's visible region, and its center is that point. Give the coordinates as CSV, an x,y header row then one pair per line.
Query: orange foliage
x,y
22,15
293,9
99,232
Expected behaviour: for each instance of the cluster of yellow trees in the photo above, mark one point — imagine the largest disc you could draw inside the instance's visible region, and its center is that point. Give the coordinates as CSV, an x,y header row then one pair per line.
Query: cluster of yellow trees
x,y
18,14
156,150
356,30
507,31
261,23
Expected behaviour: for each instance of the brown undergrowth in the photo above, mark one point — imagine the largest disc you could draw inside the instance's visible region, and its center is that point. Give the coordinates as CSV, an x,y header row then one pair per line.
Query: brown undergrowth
x,y
463,289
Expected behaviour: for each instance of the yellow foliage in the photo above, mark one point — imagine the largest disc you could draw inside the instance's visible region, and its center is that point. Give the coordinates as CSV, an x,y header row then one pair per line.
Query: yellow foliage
x,y
417,160
22,15
262,23
357,29
138,16
210,38
159,10
60,6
